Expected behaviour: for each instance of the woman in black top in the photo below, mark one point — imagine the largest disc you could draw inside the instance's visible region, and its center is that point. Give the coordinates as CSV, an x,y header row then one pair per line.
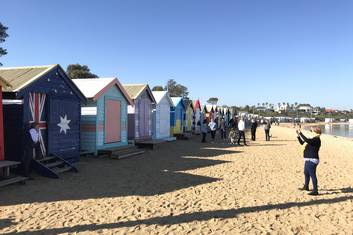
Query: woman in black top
x,y
311,157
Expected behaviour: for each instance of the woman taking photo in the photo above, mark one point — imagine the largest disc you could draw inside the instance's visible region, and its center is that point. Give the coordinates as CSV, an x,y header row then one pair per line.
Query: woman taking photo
x,y
311,157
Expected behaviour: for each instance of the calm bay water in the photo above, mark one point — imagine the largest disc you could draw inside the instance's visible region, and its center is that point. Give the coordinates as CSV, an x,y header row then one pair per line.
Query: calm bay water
x,y
345,130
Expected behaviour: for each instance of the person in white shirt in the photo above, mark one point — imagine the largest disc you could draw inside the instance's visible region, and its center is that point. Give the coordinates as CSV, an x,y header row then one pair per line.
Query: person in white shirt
x,y
32,148
241,127
213,127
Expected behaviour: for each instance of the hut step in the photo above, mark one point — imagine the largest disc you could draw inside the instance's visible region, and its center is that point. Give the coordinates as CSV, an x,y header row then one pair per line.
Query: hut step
x,y
13,180
52,166
128,154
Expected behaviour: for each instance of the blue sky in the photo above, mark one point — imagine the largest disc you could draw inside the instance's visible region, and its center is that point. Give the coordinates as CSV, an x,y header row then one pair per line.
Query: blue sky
x,y
243,52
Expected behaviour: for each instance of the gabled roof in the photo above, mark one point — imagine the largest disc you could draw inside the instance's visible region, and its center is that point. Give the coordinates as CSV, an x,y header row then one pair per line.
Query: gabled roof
x,y
197,104
177,101
159,95
135,90
209,108
20,77
93,88
4,83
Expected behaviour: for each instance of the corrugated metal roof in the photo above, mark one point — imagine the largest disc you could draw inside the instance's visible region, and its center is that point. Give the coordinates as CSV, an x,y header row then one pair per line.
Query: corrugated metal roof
x,y
134,90
19,77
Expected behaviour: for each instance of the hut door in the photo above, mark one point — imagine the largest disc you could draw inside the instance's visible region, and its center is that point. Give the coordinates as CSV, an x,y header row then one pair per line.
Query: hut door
x,y
112,125
147,118
141,118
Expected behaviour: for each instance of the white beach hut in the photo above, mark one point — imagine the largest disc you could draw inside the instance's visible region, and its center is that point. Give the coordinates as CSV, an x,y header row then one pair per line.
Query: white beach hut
x,y
161,115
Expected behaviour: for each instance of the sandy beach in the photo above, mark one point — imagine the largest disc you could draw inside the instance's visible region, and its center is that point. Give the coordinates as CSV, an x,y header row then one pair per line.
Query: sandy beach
x,y
187,187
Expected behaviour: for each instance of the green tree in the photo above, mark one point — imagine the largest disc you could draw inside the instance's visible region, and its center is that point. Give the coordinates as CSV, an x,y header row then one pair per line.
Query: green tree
x,y
158,88
3,35
79,71
176,90
213,100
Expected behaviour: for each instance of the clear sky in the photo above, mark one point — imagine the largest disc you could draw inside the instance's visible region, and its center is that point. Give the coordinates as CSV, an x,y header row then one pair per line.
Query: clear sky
x,y
243,52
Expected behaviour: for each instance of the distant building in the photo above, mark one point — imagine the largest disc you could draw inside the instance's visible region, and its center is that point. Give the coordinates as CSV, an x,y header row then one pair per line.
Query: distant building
x,y
307,108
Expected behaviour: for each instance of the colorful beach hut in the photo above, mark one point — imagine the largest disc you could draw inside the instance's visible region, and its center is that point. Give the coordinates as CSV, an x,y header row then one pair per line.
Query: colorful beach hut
x,y
140,113
104,116
177,115
161,115
189,115
47,96
198,117
209,111
5,84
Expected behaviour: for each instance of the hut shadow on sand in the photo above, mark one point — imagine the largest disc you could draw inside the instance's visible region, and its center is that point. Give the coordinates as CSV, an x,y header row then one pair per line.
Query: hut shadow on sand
x,y
154,173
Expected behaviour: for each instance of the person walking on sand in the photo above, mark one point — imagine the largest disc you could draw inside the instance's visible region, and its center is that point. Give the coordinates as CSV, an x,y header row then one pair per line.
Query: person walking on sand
x,y
311,158
213,127
267,128
204,130
253,129
241,128
223,129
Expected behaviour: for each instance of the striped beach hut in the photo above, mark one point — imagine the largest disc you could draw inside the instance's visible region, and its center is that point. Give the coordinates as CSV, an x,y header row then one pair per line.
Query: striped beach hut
x,y
161,115
5,84
189,115
177,116
47,96
140,113
104,116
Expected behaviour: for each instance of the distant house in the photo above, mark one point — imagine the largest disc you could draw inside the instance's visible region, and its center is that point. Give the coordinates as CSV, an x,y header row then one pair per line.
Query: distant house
x,y
282,108
104,117
140,114
306,108
161,115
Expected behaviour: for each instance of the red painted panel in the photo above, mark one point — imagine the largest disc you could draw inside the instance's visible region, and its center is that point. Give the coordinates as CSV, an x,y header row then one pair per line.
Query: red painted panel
x,y
112,121
1,129
88,127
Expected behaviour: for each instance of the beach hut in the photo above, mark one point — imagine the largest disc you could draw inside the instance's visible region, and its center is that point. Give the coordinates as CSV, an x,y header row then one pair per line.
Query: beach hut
x,y
189,115
198,117
140,113
209,111
47,96
104,116
177,115
161,115
5,84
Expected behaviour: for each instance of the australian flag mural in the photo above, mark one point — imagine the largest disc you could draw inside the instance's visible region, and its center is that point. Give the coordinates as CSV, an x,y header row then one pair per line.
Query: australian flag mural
x,y
52,100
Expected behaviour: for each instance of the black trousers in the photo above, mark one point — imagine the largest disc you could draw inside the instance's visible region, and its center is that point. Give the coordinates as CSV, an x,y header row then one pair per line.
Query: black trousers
x,y
241,135
267,133
203,137
223,134
213,134
253,134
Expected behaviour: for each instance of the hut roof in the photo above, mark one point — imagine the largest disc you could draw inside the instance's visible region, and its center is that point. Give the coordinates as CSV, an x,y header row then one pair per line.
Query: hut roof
x,y
209,108
135,90
20,77
93,88
177,100
4,83
188,103
196,104
159,95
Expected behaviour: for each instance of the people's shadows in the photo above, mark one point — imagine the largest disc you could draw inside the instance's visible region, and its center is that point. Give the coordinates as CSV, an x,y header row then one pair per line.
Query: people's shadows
x,y
154,173
267,145
336,191
4,223
189,217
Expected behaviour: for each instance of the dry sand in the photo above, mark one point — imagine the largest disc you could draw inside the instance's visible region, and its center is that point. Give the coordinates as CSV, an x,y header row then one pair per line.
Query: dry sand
x,y
187,187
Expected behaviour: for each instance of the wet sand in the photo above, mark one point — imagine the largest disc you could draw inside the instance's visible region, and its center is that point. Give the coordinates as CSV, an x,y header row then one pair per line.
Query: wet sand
x,y
186,187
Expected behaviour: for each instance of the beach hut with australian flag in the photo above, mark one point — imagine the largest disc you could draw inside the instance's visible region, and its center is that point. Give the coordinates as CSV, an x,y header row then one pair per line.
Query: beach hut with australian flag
x,y
47,96
104,118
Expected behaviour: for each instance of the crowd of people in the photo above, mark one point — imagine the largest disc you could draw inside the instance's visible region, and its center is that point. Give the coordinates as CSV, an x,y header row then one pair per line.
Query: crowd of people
x,y
234,130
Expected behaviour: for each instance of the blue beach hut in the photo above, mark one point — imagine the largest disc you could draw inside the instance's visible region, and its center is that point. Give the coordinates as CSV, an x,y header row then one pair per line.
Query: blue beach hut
x,y
104,118
177,115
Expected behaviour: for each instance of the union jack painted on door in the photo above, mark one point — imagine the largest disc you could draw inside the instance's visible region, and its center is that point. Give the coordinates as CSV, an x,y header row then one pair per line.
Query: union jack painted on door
x,y
37,109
